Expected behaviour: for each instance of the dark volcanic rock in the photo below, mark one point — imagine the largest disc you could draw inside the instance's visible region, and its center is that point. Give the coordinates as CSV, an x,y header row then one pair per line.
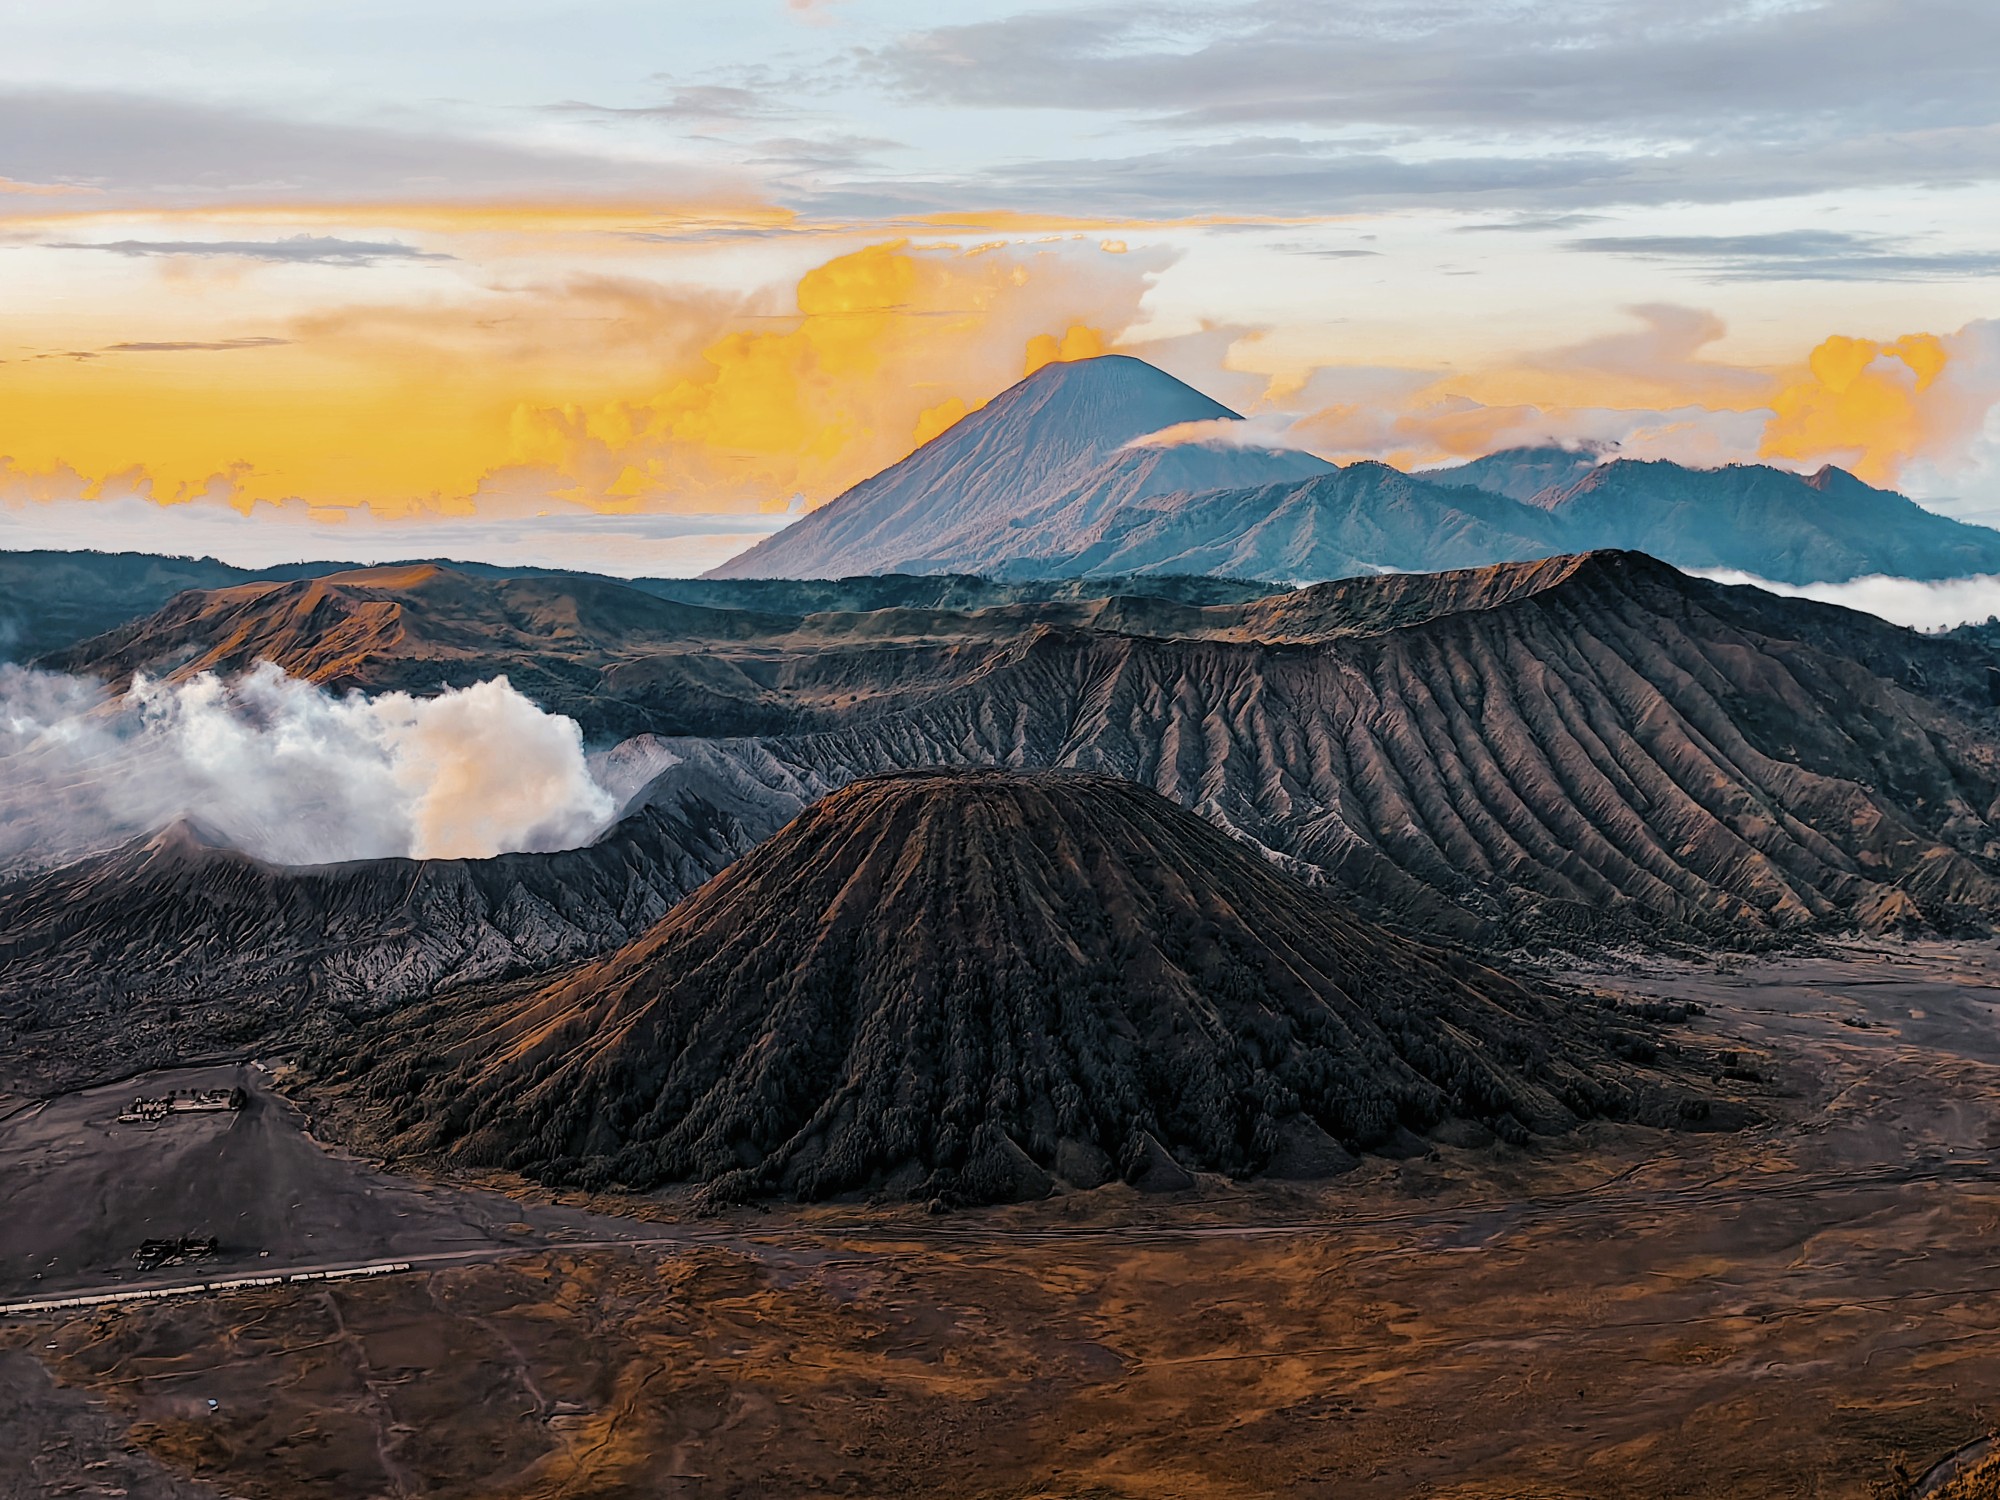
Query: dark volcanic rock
x,y
1581,749
620,657
49,600
414,627
970,985
175,947
52,601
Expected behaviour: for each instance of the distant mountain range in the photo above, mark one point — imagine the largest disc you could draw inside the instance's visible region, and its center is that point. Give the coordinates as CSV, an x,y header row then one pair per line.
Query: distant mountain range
x,y
51,600
1056,478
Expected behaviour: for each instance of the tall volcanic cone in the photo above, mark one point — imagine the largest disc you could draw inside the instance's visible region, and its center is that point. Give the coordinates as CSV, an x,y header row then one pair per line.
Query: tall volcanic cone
x,y
1044,456
971,985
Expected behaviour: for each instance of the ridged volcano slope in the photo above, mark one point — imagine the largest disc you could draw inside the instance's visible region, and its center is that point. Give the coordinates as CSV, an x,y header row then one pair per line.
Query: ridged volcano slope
x,y
1043,457
1587,748
968,985
174,947
1596,748
412,627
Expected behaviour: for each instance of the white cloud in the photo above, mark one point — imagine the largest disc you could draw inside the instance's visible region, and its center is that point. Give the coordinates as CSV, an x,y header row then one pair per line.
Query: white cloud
x,y
1922,604
1264,430
284,770
1958,472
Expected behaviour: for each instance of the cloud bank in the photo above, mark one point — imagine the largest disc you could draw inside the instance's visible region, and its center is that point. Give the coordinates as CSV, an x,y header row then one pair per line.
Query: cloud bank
x,y
582,394
1921,604
1565,104
285,771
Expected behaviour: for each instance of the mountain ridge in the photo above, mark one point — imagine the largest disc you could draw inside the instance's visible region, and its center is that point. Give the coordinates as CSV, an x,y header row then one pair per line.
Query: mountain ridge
x,y
1561,754
1043,483
1412,738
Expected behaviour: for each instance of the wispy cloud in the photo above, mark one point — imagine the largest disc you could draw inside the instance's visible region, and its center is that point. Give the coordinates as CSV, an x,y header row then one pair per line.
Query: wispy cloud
x,y
1533,223
166,346
1706,65
1563,104
132,148
184,346
692,104
1329,252
298,249
1799,255
823,153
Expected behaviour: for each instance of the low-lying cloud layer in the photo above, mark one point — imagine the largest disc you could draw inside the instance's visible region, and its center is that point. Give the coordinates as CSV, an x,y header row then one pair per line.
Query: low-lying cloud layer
x,y
641,545
286,771
580,394
1922,604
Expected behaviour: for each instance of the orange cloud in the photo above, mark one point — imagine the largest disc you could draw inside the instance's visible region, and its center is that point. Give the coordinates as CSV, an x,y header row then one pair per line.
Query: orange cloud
x,y
933,420
12,187
890,345
1864,405
1651,391
1662,362
490,384
1891,410
648,220
1443,429
1077,342
643,221
616,392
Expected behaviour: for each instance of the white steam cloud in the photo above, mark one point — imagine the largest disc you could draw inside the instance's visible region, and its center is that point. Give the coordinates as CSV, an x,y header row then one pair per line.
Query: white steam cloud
x,y
1920,603
1265,430
1452,429
286,771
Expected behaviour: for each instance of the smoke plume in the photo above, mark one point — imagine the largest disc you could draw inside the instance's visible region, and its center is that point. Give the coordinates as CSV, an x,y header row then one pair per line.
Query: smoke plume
x,y
285,771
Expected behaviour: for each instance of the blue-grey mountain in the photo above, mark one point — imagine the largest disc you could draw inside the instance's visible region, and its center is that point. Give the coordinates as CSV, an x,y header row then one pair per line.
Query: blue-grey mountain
x,y
1065,475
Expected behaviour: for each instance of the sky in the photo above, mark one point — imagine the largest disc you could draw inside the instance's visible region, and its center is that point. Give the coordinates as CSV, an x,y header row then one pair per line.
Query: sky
x,y
627,283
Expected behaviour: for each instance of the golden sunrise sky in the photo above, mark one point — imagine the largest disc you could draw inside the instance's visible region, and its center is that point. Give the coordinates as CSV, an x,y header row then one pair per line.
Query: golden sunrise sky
x,y
616,285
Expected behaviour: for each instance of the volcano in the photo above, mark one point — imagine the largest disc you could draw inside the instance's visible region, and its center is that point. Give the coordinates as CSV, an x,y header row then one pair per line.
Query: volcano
x,y
1046,456
1073,473
976,986
1585,749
